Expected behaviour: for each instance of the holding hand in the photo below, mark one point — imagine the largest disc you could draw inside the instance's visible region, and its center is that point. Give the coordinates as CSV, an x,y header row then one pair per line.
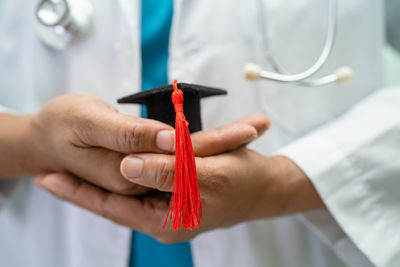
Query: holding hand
x,y
235,186
82,135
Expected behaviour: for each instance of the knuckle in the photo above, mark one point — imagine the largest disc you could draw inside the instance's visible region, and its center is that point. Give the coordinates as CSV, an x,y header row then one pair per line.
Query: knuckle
x,y
164,174
122,186
133,137
104,210
82,132
219,183
215,180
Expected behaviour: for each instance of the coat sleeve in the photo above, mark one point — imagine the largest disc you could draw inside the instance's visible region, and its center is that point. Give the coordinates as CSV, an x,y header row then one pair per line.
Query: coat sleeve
x,y
354,163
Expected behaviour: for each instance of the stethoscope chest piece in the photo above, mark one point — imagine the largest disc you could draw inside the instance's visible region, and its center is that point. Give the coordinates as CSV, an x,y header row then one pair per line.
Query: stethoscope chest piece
x,y
60,23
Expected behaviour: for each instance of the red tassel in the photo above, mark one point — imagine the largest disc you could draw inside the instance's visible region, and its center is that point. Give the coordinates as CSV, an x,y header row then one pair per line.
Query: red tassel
x,y
185,206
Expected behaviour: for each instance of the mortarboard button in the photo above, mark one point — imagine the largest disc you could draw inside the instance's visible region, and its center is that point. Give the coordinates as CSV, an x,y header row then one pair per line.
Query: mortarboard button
x,y
160,107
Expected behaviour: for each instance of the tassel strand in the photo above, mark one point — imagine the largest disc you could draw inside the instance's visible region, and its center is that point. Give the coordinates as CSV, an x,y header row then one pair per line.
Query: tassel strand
x,y
185,207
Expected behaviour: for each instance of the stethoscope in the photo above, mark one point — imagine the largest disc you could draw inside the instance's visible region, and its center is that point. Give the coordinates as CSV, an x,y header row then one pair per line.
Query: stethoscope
x,y
341,75
62,22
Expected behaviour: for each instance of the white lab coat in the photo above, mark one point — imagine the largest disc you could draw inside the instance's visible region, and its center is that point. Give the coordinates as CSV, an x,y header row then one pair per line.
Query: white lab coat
x,y
348,145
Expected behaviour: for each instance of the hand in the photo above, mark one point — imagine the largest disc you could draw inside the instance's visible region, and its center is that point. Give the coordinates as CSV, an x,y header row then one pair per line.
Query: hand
x,y
236,186
84,136
223,139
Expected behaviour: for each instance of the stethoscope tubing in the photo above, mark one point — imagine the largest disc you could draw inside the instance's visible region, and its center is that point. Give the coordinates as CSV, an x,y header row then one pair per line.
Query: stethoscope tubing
x,y
329,41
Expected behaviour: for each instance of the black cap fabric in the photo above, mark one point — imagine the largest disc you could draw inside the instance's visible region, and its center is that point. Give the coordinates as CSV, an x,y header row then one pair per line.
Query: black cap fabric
x,y
159,104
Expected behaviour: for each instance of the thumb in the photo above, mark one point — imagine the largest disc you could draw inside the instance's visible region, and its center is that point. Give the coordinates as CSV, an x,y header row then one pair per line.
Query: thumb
x,y
229,137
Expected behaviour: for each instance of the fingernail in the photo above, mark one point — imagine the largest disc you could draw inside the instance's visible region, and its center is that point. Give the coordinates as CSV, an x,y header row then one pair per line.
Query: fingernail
x,y
131,167
166,140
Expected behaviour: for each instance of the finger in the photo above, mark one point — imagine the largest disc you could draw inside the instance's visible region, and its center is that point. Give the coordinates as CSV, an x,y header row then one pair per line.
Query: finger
x,y
150,170
144,216
229,137
226,138
100,167
125,134
259,121
157,171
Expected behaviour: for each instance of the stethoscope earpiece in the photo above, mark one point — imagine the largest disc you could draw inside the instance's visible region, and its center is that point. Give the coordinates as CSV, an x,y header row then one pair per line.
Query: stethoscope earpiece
x,y
344,74
341,75
252,71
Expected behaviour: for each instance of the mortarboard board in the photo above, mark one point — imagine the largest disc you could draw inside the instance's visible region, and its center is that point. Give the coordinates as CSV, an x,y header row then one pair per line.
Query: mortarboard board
x,y
168,104
160,107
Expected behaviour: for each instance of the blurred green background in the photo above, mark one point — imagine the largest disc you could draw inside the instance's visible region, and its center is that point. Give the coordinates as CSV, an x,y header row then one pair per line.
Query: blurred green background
x,y
392,66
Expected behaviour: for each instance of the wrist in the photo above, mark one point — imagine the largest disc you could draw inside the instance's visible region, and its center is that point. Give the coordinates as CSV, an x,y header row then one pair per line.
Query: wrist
x,y
298,190
17,146
34,146
290,190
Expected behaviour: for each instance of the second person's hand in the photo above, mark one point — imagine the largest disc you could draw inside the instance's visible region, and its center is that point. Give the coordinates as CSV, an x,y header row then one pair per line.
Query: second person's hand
x,y
84,136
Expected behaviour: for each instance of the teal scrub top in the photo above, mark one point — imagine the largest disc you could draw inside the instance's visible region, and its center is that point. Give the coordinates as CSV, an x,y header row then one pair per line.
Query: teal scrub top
x,y
156,24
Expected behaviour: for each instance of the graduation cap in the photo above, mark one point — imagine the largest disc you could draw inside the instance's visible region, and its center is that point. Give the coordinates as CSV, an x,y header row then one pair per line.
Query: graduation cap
x,y
160,107
179,106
